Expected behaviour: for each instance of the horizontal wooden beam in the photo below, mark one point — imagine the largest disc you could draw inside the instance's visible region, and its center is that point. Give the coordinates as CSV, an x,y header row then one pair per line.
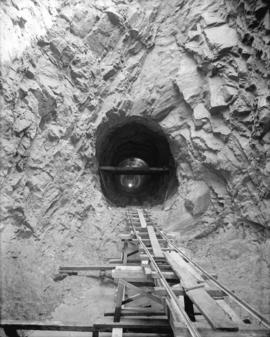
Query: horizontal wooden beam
x,y
153,325
134,170
136,314
148,242
136,273
138,324
86,268
45,325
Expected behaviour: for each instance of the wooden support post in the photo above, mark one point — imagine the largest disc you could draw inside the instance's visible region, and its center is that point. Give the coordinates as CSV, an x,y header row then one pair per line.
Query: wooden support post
x,y
124,256
118,301
95,333
11,332
189,308
117,332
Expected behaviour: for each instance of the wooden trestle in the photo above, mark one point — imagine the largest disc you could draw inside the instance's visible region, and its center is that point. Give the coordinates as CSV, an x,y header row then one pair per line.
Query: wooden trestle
x,y
160,292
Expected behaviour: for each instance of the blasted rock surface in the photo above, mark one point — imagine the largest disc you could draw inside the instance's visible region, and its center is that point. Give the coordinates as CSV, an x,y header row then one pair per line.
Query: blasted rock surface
x,y
201,70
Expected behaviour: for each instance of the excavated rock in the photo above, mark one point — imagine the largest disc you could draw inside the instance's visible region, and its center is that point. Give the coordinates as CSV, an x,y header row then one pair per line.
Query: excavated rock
x,y
198,68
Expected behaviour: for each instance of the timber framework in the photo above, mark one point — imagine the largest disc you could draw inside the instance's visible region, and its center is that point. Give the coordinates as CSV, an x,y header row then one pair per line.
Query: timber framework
x,y
160,292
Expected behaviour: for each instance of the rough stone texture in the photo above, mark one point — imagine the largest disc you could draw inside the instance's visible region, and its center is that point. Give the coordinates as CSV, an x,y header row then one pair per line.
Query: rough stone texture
x,y
200,69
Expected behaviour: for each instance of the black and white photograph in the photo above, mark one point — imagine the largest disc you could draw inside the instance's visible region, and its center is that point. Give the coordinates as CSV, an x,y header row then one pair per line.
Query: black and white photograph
x,y
135,168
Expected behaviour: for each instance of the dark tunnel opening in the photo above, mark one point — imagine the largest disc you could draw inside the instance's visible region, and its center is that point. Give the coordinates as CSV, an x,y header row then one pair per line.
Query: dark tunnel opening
x,y
140,144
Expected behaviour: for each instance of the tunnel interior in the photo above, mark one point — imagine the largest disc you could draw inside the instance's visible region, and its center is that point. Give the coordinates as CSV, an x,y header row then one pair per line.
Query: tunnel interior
x,y
135,143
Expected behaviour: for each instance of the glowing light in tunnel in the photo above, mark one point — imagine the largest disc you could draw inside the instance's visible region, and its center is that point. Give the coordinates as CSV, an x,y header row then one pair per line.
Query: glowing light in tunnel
x,y
132,182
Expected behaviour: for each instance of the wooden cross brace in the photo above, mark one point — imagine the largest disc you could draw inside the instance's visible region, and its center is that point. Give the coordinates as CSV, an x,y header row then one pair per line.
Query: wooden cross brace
x,y
141,291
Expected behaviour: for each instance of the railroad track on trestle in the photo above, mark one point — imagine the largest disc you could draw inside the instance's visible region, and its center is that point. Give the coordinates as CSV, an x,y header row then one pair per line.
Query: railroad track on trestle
x,y
160,292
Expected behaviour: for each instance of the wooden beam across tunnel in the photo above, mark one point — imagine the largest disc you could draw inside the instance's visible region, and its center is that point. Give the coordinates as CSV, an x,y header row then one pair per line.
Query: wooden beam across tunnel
x,y
134,170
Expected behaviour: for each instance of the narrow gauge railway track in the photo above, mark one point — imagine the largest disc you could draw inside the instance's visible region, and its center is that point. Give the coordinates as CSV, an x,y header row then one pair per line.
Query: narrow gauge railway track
x,y
160,292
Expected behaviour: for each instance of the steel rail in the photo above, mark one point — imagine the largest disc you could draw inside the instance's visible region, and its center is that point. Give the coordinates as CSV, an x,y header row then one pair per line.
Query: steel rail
x,y
190,326
237,299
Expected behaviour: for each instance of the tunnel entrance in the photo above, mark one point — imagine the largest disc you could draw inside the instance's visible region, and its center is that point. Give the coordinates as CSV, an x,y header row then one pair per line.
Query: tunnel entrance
x,y
136,166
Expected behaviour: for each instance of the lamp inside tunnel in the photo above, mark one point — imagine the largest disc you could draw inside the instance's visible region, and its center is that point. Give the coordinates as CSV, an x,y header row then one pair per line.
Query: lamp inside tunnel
x,y
135,162
133,182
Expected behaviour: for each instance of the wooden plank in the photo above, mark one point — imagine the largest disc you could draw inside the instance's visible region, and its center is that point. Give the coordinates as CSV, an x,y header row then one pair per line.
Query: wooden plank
x,y
134,170
157,252
117,332
179,291
186,265
224,305
204,332
214,314
142,220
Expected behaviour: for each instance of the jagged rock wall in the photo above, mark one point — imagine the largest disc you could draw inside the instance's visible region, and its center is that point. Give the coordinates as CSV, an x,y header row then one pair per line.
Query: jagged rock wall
x,y
199,68
22,22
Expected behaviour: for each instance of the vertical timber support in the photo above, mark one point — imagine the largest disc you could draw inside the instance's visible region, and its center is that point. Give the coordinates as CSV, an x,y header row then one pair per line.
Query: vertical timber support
x,y
118,301
117,332
189,308
11,332
124,253
95,333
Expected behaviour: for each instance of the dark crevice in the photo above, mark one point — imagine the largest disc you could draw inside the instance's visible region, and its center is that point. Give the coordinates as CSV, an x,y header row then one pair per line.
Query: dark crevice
x,y
135,142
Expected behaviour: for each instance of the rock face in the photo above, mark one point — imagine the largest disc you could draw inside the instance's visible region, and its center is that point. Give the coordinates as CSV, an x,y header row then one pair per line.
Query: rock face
x,y
198,68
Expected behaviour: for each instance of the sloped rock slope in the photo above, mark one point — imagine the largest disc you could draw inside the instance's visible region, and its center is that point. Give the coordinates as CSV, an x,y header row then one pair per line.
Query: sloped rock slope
x,y
198,68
